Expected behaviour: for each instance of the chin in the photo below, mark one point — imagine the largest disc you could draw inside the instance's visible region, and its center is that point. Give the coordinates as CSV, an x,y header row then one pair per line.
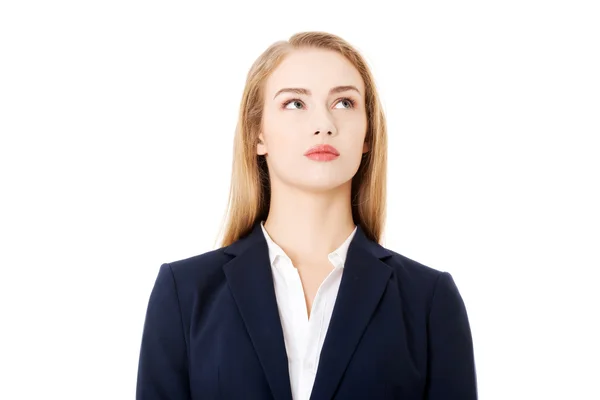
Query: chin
x,y
321,186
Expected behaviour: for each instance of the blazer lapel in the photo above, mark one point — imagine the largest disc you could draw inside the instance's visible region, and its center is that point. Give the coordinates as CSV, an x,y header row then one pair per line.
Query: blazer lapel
x,y
250,279
251,282
364,280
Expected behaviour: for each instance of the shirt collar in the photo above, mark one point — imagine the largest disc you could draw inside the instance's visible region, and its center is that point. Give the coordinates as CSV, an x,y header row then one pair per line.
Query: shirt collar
x,y
337,257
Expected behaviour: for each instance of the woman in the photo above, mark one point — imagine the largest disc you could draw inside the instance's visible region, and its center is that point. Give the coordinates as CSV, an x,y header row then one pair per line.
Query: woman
x,y
301,301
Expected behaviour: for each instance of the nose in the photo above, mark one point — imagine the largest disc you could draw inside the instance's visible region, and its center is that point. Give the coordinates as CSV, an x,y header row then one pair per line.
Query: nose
x,y
328,127
324,122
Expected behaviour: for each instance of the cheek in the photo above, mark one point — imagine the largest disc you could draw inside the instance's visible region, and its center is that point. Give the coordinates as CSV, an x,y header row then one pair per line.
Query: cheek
x,y
353,125
285,143
355,138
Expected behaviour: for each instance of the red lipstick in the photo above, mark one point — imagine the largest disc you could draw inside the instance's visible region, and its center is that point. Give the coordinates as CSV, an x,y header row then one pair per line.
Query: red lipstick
x,y
322,152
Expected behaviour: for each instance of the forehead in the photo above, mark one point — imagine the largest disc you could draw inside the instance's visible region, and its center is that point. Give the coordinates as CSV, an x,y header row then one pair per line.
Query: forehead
x,y
315,69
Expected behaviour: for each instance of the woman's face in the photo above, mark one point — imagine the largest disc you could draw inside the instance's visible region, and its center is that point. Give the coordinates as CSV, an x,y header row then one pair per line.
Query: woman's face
x,y
293,122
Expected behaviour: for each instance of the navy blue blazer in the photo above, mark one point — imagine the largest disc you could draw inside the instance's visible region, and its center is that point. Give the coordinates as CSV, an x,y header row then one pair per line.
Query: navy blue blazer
x,y
399,330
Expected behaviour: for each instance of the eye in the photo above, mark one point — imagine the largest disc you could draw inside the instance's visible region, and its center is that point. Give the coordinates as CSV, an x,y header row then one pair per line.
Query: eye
x,y
291,101
351,103
348,100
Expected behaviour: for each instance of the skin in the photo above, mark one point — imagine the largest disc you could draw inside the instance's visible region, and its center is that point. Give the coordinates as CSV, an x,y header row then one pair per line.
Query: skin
x,y
310,213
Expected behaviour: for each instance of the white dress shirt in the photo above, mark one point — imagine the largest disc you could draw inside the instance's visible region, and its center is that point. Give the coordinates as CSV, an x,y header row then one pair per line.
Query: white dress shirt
x,y
304,336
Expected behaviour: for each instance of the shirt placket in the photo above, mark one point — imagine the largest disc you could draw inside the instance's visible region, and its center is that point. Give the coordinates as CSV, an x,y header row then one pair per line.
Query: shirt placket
x,y
297,311
315,328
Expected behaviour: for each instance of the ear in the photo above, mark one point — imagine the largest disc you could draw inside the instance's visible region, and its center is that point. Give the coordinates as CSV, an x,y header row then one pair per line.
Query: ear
x,y
261,147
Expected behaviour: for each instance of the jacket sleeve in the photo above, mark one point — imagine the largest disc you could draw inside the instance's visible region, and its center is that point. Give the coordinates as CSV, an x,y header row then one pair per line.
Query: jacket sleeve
x,y
162,368
451,371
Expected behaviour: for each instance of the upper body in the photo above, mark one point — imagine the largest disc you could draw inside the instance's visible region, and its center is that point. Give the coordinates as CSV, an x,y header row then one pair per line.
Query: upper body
x,y
398,330
308,305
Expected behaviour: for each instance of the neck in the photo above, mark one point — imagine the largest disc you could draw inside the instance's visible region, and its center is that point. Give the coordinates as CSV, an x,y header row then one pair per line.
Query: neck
x,y
309,225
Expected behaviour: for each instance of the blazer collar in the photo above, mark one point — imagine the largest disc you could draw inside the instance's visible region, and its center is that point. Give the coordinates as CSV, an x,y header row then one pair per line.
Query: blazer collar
x,y
363,282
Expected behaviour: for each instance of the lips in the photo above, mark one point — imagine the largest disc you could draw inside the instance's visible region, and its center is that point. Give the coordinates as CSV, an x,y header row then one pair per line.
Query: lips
x,y
322,149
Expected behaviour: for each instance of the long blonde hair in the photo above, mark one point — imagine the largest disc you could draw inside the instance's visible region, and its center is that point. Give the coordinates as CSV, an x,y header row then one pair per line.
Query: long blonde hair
x,y
249,195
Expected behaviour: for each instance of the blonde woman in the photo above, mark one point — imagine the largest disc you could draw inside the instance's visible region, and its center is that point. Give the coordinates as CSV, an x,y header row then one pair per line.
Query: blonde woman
x,y
301,301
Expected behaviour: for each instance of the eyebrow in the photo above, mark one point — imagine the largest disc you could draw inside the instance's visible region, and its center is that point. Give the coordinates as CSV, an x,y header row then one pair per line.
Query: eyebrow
x,y
307,92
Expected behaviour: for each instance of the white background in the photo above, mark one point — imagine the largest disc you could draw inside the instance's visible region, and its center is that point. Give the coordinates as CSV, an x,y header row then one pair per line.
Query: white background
x,y
117,121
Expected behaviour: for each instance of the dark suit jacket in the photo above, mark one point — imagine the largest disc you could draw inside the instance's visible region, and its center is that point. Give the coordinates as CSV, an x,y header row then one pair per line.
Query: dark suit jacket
x,y
399,330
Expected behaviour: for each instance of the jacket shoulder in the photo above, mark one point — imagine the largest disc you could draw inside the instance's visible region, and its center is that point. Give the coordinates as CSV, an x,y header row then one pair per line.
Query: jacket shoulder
x,y
410,268
200,264
202,272
416,280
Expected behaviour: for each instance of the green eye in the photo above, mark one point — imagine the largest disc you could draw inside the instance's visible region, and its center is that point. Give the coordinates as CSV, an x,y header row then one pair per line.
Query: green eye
x,y
291,101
